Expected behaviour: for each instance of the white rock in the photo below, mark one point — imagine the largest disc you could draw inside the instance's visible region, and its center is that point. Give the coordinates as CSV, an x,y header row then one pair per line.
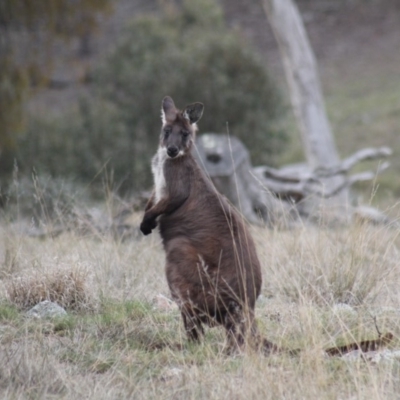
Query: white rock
x,y
171,374
353,355
375,357
46,309
344,309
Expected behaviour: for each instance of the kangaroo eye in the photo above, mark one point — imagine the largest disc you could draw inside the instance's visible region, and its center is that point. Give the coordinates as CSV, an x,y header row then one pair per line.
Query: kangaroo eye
x,y
185,133
167,132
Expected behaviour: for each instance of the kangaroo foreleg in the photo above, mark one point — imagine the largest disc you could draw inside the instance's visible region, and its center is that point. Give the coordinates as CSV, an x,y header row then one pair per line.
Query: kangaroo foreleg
x,y
164,206
150,203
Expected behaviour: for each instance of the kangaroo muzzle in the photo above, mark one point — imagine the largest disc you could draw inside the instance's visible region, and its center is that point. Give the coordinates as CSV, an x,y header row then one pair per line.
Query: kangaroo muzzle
x,y
172,151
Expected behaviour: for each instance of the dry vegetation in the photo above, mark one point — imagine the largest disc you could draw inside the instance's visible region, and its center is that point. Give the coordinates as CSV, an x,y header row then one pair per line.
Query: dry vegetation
x,y
321,287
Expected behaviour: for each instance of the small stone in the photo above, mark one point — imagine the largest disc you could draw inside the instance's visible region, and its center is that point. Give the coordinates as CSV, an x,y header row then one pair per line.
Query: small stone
x,y
353,355
385,356
46,309
162,302
171,374
374,357
344,309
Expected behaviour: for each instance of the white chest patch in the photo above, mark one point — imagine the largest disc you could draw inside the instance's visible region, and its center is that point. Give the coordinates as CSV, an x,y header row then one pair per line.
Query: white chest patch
x,y
157,168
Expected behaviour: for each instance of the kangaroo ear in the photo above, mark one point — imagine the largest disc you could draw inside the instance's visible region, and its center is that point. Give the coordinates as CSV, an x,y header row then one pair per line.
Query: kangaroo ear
x,y
193,112
168,109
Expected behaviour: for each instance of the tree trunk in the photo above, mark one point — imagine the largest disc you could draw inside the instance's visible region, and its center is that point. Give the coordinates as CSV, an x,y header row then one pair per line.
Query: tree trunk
x,y
305,92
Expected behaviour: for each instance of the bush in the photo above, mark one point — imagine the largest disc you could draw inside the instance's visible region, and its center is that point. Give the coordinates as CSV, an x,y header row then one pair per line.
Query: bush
x,y
188,54
67,289
43,199
82,143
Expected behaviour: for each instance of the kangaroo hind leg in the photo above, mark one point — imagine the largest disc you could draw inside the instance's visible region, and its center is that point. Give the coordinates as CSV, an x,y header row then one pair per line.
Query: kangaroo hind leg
x,y
194,329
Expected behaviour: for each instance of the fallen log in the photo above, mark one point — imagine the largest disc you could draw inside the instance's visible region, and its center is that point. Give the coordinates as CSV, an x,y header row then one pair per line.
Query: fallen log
x,y
276,195
364,346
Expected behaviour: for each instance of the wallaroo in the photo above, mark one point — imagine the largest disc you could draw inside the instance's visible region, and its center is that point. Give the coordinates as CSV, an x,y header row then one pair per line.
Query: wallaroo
x,y
212,267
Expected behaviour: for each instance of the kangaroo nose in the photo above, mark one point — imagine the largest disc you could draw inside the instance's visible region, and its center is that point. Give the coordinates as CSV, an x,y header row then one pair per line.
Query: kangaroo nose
x,y
172,151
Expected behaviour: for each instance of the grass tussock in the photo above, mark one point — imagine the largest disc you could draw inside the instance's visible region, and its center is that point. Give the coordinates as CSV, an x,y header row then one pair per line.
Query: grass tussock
x,y
68,289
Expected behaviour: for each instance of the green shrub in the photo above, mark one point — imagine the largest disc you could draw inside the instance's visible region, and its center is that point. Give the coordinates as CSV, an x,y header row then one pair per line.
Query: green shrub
x,y
81,143
188,54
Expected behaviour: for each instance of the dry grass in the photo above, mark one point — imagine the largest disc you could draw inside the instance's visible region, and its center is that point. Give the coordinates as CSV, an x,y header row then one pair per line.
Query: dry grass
x,y
350,265
126,347
68,289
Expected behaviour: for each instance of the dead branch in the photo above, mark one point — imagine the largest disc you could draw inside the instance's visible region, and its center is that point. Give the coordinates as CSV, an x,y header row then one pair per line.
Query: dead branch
x,y
298,181
289,174
364,155
364,346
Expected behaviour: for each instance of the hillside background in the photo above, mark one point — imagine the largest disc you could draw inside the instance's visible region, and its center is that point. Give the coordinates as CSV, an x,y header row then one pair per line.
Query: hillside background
x,y
356,43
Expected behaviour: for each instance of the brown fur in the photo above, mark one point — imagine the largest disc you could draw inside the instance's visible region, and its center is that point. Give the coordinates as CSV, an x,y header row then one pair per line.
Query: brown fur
x,y
212,267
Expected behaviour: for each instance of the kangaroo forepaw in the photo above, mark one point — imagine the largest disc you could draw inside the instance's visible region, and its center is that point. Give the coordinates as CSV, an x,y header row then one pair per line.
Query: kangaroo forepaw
x,y
147,226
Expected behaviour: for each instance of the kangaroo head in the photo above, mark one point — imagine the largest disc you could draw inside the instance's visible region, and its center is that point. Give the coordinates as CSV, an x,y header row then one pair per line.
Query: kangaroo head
x,y
179,127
